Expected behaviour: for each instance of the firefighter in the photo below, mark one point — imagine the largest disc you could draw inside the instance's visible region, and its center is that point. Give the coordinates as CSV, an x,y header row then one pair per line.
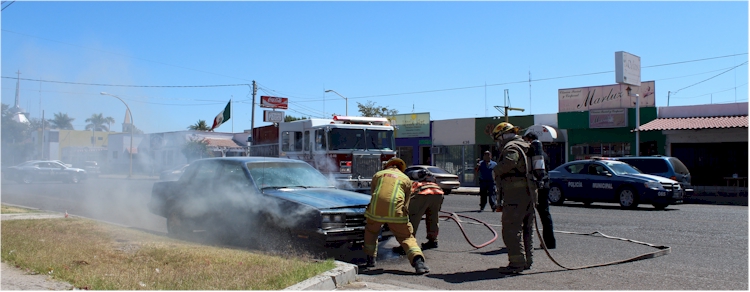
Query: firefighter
x,y
541,173
427,199
519,196
391,191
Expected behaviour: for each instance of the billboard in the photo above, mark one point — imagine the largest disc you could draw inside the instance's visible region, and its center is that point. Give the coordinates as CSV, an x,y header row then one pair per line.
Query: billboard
x,y
274,102
411,125
608,118
605,97
273,116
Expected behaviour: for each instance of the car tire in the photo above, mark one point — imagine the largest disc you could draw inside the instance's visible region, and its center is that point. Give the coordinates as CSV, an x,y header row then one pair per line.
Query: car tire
x,y
27,179
556,196
587,203
447,191
177,226
660,206
75,179
628,198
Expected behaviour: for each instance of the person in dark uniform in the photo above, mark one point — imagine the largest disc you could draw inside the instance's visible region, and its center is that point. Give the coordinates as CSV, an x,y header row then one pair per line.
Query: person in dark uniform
x,y
542,207
485,169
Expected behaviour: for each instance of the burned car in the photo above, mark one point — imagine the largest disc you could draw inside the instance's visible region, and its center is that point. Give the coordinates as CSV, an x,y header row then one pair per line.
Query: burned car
x,y
259,199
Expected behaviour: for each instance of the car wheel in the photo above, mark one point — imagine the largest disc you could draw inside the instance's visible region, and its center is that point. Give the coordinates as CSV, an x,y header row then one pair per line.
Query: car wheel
x,y
27,179
177,226
660,206
587,203
556,196
75,179
628,198
447,191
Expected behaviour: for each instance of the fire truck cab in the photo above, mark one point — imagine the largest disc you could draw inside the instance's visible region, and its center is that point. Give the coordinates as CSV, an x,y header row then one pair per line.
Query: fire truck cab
x,y
348,149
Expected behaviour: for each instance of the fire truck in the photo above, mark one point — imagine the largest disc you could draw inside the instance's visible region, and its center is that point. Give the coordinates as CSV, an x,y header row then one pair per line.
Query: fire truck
x,y
348,149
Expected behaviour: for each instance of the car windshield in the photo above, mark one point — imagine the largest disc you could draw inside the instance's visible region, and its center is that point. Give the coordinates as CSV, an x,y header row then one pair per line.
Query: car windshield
x,y
286,174
622,168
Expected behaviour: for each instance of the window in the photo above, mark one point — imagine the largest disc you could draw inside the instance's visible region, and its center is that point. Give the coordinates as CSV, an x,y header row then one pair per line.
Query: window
x,y
286,141
574,168
297,141
596,169
320,139
648,165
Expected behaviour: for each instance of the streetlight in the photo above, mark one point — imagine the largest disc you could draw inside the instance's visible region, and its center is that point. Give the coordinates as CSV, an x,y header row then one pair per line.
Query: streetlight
x,y
130,175
346,99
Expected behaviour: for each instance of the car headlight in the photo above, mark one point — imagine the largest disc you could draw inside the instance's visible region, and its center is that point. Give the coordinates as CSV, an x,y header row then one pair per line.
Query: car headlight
x,y
333,220
654,185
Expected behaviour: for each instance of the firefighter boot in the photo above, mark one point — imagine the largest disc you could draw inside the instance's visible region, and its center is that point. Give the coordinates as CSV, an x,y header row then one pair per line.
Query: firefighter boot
x,y
419,266
398,250
370,262
512,269
430,244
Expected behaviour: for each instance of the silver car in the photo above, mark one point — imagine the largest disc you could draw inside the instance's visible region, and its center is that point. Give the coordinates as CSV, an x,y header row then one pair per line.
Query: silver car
x,y
447,181
49,170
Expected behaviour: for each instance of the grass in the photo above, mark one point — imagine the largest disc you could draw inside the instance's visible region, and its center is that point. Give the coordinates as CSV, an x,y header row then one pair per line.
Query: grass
x,y
92,255
12,210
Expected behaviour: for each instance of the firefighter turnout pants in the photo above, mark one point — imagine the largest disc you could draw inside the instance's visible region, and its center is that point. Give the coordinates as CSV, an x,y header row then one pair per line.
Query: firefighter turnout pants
x,y
428,205
402,232
518,221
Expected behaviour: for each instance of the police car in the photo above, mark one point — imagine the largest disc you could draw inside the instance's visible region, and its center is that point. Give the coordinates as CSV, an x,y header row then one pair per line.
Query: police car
x,y
610,181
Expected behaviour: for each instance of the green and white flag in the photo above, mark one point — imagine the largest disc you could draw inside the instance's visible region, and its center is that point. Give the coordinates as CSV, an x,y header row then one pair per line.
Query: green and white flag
x,y
223,116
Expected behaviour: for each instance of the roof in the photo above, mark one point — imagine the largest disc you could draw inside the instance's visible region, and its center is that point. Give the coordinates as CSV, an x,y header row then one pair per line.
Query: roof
x,y
218,142
695,123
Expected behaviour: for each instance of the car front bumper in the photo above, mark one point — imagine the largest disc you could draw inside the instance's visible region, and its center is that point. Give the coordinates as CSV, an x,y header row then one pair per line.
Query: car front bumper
x,y
666,196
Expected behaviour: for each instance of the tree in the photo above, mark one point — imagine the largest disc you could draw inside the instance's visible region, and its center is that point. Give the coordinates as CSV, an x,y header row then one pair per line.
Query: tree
x,y
62,121
370,110
293,118
36,124
195,149
99,123
15,138
200,125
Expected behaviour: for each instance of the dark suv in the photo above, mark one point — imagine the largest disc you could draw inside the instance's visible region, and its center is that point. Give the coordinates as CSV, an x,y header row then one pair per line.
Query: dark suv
x,y
664,166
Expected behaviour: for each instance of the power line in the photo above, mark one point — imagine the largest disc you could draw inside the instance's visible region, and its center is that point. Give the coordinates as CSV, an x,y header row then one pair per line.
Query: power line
x,y
125,85
710,77
706,94
6,6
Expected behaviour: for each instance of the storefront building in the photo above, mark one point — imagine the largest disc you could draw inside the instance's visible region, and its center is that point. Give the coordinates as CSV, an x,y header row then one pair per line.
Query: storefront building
x,y
413,137
599,121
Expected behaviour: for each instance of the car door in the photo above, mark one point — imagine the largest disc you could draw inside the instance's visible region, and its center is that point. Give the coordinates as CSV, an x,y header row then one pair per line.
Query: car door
x,y
46,171
573,181
199,190
57,171
600,183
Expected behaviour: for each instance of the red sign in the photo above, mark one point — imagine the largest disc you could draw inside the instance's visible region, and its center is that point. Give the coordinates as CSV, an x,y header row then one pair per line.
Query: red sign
x,y
274,102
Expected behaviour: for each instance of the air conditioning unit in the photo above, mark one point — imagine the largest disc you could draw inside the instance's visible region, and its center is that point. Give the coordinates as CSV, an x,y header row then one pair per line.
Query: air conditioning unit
x,y
435,150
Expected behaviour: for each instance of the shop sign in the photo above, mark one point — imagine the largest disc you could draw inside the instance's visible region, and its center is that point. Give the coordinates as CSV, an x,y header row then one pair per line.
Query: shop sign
x,y
411,125
605,97
608,118
274,102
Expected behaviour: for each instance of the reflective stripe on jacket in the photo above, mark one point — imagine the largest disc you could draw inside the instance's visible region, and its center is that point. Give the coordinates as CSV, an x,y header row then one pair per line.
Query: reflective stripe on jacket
x,y
426,188
389,203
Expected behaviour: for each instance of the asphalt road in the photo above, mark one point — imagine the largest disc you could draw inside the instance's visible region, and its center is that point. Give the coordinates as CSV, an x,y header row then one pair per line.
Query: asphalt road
x,y
709,243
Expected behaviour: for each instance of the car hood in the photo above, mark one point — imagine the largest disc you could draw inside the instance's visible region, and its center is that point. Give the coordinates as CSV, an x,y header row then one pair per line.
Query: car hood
x,y
650,177
321,198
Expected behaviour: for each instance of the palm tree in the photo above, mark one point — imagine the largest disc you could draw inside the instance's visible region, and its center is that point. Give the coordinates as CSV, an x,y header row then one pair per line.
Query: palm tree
x,y
98,122
62,121
200,126
110,121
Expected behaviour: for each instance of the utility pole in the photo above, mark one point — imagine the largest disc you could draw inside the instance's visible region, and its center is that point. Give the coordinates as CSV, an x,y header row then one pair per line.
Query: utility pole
x,y
504,110
252,119
668,94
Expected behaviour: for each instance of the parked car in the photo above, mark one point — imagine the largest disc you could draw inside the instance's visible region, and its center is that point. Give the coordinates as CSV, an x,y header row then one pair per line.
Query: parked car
x,y
91,167
262,199
664,166
38,170
447,181
599,180
173,173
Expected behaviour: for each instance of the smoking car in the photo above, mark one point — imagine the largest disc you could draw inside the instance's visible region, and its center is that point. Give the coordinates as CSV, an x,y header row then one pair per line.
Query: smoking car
x,y
447,181
602,180
42,170
259,198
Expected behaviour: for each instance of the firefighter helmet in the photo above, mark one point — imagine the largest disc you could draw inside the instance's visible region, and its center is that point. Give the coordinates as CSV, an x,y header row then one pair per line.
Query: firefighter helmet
x,y
397,162
503,128
419,174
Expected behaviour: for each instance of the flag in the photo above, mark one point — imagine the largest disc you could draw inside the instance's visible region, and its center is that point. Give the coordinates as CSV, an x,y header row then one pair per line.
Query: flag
x,y
222,117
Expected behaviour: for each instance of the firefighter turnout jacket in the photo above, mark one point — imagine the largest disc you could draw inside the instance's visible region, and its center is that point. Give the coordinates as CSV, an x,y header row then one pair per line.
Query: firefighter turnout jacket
x,y
391,190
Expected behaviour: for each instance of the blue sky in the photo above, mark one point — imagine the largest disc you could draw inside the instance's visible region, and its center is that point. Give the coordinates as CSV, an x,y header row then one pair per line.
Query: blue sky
x,y
431,57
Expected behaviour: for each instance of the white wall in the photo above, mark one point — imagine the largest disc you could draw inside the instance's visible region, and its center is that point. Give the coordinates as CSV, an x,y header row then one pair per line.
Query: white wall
x,y
704,136
453,132
704,110
546,119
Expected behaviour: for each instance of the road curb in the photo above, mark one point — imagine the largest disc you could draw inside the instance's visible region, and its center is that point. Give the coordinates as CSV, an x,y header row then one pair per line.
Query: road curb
x,y
342,274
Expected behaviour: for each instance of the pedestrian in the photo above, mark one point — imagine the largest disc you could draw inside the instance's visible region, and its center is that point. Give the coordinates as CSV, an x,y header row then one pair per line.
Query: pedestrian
x,y
391,191
548,234
426,199
519,196
487,182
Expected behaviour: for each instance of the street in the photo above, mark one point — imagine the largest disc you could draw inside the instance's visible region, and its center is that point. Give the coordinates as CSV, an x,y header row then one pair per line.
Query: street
x,y
709,243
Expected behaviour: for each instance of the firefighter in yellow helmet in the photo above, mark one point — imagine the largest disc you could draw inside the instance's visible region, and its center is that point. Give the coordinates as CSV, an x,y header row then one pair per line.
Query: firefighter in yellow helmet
x,y
519,198
391,190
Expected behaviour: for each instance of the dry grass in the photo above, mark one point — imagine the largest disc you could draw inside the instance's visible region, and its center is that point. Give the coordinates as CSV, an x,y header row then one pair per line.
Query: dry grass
x,y
11,210
93,255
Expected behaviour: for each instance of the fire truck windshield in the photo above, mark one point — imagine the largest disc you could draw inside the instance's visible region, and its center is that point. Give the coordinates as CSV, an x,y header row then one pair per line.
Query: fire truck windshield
x,y
340,139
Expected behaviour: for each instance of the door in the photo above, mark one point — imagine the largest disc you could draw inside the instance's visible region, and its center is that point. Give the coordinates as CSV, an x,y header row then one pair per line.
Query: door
x,y
573,181
600,185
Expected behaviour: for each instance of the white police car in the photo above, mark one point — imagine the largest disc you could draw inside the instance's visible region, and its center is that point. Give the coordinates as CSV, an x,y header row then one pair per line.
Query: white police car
x,y
610,181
